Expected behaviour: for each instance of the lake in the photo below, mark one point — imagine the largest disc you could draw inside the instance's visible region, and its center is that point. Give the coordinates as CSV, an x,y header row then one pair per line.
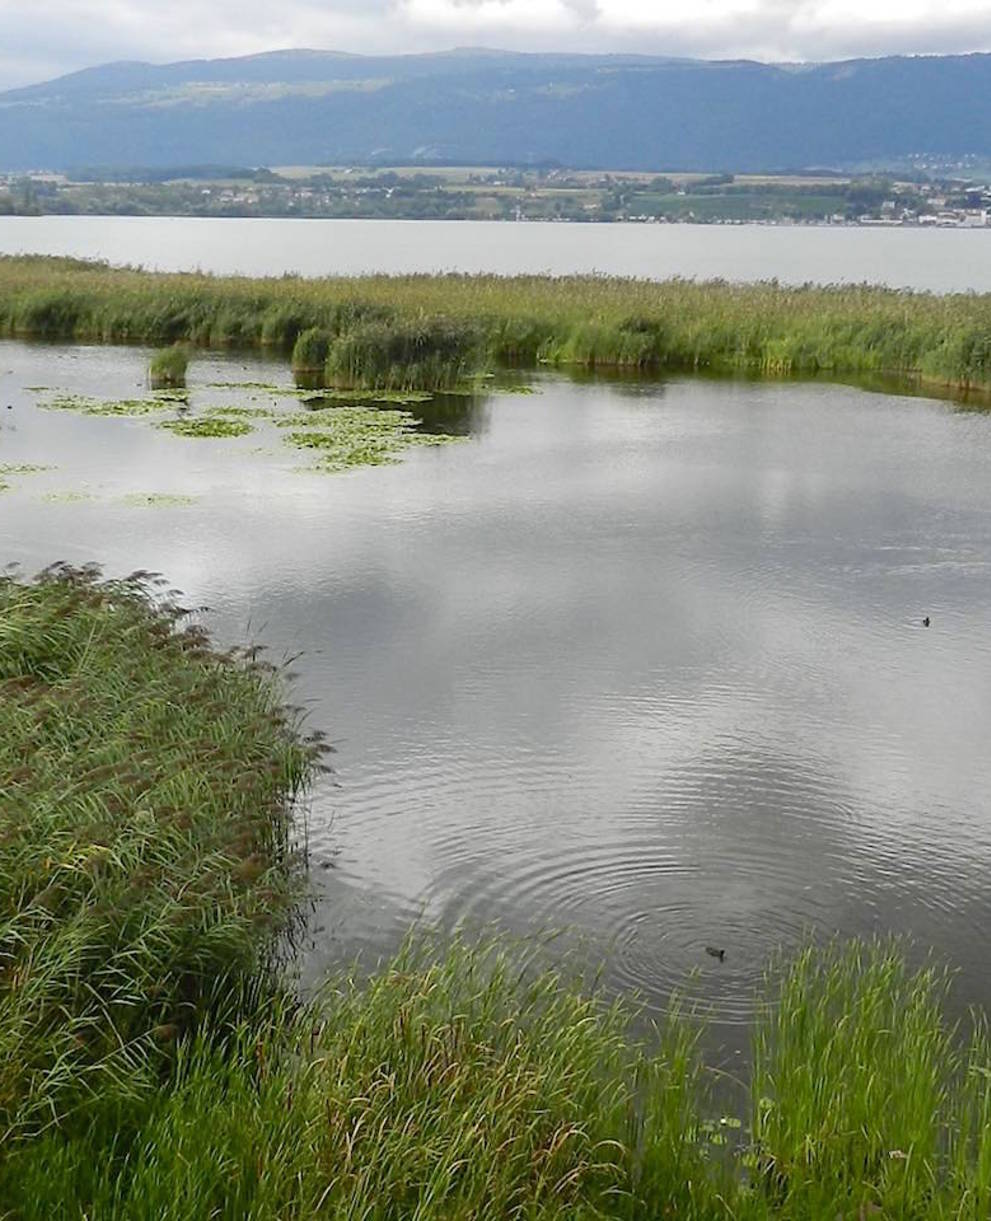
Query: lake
x,y
644,661
943,260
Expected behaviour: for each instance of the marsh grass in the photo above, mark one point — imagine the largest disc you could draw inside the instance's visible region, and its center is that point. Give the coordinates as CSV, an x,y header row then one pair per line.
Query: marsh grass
x,y
469,1080
451,1083
168,366
144,817
420,354
450,326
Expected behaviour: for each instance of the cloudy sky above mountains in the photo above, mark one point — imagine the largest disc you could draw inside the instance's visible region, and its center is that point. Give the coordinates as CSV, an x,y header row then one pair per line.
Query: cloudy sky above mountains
x,y
40,39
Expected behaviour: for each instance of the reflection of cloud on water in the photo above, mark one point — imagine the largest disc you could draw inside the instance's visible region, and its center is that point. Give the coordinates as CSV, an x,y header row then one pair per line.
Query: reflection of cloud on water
x,y
653,667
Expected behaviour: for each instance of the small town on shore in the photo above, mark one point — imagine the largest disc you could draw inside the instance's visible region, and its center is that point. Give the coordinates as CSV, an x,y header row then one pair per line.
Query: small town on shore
x,y
937,195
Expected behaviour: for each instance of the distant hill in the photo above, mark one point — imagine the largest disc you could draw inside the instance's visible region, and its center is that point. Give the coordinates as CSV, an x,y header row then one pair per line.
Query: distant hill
x,y
489,107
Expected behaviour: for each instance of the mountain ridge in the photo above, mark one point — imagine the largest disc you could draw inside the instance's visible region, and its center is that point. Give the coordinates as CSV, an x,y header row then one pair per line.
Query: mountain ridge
x,y
483,106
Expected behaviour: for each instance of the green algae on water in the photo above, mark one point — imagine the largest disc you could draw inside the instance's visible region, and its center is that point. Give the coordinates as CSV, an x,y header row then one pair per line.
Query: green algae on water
x,y
69,496
348,436
158,500
14,470
84,405
246,413
206,426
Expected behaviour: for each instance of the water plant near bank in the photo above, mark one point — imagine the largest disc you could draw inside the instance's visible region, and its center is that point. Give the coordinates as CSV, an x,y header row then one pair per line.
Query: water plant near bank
x,y
206,426
168,366
145,820
422,332
343,430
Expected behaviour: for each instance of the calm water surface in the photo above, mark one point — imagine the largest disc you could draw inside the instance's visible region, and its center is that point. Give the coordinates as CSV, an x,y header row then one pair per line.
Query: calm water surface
x,y
643,661
947,260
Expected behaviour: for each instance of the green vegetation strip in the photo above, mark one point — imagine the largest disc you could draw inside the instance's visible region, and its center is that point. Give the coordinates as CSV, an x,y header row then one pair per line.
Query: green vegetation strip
x,y
14,470
85,405
344,434
411,333
144,818
154,1065
206,426
168,365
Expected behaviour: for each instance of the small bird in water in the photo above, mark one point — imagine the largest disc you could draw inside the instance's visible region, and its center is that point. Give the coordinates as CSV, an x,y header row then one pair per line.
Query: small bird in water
x,y
926,621
714,953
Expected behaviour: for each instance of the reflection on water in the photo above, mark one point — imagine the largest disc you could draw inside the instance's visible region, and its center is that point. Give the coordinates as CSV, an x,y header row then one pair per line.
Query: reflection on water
x,y
646,662
934,260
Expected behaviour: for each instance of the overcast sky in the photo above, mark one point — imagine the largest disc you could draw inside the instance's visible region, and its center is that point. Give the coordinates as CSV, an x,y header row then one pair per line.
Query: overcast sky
x,y
44,38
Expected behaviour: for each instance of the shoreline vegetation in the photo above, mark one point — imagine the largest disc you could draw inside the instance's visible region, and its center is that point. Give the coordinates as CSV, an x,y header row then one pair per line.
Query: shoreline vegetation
x,y
157,1063
437,332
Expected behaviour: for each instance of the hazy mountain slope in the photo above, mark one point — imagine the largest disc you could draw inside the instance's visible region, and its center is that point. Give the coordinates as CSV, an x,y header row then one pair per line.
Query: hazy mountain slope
x,y
309,107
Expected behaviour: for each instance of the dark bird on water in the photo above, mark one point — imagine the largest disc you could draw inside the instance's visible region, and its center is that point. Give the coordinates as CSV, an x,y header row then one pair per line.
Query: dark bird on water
x,y
714,953
926,621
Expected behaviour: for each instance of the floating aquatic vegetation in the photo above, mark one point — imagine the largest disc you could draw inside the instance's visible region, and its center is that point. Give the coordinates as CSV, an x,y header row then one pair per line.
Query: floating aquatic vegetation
x,y
69,496
14,469
84,405
342,453
374,396
345,418
206,426
350,436
247,413
352,428
266,386
156,500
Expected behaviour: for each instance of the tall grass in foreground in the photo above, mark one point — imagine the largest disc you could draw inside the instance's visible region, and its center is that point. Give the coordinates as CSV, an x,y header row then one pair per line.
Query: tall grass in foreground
x,y
458,1083
368,324
145,794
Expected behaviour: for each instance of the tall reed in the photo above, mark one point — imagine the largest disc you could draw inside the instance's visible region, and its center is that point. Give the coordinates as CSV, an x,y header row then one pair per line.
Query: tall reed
x,y
144,814
601,322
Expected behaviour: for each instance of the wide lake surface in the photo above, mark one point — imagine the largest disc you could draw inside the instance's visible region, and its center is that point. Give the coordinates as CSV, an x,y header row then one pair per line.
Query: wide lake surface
x,y
944,260
642,661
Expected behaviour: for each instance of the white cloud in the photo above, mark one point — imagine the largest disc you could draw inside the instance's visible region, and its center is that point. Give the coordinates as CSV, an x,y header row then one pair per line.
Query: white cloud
x,y
42,38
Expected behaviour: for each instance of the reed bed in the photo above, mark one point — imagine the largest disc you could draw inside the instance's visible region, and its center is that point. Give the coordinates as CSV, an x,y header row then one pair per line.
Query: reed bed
x,y
364,323
466,1082
145,794
168,366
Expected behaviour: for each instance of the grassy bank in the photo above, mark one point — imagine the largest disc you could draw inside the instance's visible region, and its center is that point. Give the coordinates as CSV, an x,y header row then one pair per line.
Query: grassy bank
x,y
145,794
452,326
154,1066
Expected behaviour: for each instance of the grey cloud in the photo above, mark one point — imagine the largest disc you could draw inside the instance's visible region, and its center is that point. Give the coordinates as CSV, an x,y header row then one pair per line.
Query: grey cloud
x,y
41,40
